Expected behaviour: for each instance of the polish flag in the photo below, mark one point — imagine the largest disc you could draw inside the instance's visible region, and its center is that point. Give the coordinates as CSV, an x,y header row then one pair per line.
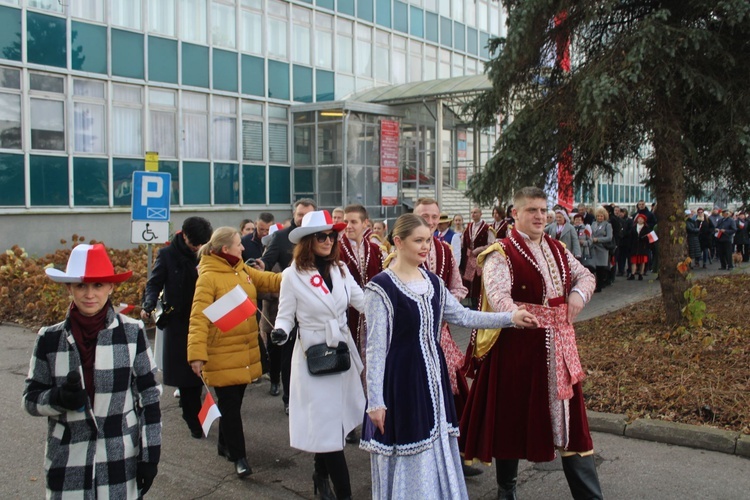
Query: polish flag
x,y
124,308
231,309
652,237
587,230
209,412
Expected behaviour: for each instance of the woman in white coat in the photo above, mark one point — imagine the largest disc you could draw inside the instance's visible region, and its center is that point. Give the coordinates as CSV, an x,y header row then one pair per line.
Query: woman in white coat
x,y
317,289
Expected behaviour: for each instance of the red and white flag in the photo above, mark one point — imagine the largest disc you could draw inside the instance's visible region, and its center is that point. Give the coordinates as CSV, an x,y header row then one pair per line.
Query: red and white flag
x,y
587,230
652,237
231,309
124,308
209,412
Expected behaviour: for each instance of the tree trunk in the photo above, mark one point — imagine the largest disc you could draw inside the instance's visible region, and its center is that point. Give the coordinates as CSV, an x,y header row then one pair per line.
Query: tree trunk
x,y
669,188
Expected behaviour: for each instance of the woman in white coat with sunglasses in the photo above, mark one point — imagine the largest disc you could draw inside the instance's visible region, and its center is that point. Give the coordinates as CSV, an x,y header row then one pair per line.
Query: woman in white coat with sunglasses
x,y
317,289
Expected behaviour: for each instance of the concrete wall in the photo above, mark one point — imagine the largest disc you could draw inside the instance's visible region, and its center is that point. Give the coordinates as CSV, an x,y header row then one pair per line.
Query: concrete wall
x,y
40,234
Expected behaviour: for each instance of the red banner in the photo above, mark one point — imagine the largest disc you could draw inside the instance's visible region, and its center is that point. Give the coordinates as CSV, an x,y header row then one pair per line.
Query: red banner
x,y
389,171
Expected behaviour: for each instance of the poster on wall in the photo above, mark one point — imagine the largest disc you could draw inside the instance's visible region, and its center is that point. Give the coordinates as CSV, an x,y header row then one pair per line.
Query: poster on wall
x,y
389,134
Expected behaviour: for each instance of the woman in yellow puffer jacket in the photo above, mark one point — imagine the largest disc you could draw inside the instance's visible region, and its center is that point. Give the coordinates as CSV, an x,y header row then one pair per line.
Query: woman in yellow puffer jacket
x,y
229,360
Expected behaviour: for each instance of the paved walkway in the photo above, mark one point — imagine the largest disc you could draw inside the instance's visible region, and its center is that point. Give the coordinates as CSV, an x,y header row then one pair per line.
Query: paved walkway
x,y
190,468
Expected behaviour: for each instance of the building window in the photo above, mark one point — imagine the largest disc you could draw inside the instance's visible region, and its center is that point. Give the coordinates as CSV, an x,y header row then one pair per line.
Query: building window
x,y
195,125
47,112
301,44
87,9
251,34
161,17
278,21
126,13
430,62
193,14
415,62
398,60
252,131
127,112
224,127
278,134
344,46
10,108
88,47
196,183
50,5
364,51
89,119
12,190
48,178
163,117
222,25
90,182
324,41
46,40
382,48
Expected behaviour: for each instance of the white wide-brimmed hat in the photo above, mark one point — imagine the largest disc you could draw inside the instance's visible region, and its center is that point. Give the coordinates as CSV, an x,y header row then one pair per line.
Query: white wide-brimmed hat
x,y
88,264
272,229
313,222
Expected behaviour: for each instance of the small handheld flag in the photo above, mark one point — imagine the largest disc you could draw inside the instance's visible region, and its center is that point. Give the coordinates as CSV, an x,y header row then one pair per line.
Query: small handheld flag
x,y
231,309
124,308
209,412
652,237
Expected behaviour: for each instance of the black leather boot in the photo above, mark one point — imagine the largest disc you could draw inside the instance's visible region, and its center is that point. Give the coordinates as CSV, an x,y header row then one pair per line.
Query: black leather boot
x,y
322,488
583,480
507,476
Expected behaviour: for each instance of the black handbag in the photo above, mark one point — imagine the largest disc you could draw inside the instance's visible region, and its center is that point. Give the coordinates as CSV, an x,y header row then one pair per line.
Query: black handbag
x,y
324,360
163,314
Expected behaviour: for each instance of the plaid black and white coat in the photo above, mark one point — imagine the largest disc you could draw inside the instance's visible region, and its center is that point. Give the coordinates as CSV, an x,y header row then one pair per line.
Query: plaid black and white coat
x,y
94,453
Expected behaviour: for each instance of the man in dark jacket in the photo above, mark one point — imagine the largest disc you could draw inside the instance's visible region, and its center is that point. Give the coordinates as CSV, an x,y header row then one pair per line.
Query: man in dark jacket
x,y
725,229
175,272
742,238
253,242
280,252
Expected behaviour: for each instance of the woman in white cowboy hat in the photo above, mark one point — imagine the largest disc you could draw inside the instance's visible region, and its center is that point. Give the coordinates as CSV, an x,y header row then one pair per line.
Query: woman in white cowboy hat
x,y
93,377
317,289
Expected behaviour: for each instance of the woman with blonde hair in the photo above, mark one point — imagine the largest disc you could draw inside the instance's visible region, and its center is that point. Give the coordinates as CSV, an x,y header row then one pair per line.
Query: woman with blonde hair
x,y
229,360
601,243
411,430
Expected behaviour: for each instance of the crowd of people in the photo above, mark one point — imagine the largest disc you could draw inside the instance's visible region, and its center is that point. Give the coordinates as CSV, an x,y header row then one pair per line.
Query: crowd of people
x,y
353,332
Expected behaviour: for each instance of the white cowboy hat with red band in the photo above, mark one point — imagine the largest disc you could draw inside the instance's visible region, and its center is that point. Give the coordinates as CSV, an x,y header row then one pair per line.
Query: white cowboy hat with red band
x,y
314,222
267,238
88,264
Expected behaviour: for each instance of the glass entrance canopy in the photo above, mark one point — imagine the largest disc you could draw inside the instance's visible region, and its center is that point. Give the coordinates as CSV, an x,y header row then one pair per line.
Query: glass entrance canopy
x,y
341,154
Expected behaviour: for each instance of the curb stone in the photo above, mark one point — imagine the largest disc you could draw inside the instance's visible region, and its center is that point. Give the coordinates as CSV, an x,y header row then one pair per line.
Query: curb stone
x,y
743,446
660,431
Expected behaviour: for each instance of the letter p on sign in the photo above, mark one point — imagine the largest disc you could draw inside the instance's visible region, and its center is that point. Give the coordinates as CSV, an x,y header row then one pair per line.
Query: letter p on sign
x,y
153,187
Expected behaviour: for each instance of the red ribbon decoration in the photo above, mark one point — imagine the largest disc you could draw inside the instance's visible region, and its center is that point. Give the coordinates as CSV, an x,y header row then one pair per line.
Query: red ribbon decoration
x,y
317,282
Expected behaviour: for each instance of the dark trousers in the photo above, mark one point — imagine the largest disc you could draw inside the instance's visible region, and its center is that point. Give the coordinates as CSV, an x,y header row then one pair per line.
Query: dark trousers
x,y
190,401
333,465
231,435
286,363
724,249
744,249
622,260
274,361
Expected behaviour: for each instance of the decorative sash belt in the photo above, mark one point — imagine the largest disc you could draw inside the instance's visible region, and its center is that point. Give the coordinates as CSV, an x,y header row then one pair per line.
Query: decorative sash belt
x,y
568,371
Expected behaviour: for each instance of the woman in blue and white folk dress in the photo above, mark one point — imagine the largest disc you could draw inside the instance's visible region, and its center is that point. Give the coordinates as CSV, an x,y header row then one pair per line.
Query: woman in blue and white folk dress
x,y
412,427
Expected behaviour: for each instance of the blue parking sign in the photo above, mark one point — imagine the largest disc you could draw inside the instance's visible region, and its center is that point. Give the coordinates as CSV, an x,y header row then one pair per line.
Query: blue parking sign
x,y
151,195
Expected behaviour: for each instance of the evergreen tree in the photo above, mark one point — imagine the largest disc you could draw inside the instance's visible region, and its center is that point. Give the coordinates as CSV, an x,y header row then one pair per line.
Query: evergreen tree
x,y
666,83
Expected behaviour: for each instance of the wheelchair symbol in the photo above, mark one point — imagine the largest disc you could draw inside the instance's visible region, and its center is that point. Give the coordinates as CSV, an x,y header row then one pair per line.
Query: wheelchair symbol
x,y
148,234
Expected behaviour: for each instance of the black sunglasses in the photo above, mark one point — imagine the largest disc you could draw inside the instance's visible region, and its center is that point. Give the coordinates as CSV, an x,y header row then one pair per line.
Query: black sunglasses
x,y
321,237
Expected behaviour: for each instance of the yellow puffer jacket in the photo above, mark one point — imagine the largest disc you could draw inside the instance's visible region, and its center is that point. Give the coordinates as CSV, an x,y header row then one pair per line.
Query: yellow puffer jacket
x,y
232,357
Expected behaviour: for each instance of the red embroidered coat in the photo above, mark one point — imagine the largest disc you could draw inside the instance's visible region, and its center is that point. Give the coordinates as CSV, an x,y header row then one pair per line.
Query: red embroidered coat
x,y
373,264
470,273
508,413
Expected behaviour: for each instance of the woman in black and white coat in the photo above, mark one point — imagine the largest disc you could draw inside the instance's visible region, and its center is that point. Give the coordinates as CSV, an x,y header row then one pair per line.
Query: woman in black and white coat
x,y
93,377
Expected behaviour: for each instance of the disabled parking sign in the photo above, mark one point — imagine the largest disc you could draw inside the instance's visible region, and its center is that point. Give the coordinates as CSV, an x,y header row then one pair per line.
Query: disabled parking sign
x,y
151,196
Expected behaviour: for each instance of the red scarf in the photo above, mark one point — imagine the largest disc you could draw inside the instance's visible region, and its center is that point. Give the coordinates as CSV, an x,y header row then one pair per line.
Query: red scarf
x,y
229,258
85,331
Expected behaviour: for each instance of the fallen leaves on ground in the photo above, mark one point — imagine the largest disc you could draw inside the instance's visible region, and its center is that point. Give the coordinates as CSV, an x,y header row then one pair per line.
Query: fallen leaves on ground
x,y
638,366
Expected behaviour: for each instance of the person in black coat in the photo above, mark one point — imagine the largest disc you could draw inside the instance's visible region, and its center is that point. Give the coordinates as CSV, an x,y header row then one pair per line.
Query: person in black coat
x,y
279,251
175,273
742,238
253,242
639,246
705,235
725,230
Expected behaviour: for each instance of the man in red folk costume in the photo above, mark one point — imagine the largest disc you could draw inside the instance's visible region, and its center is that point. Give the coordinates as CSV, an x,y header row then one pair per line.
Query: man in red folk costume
x,y
477,237
526,400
